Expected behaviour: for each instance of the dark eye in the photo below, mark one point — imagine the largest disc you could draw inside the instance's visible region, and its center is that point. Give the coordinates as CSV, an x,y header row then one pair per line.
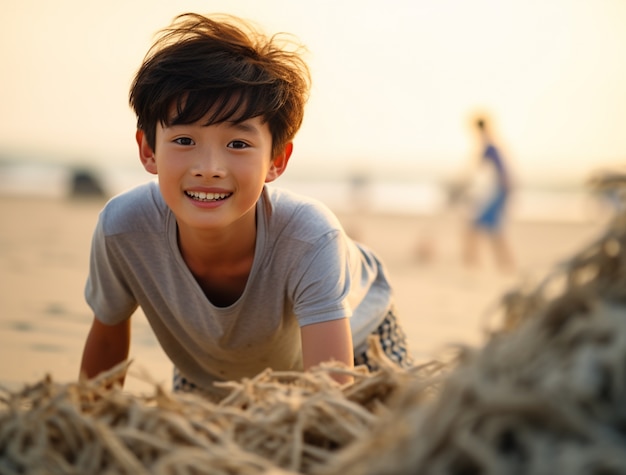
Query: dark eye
x,y
184,141
238,144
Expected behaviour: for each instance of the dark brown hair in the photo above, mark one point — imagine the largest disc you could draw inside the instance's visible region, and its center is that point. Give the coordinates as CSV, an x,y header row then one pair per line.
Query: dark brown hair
x,y
222,66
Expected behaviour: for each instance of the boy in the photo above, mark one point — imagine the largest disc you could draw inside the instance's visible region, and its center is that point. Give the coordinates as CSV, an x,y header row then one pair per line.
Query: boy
x,y
234,277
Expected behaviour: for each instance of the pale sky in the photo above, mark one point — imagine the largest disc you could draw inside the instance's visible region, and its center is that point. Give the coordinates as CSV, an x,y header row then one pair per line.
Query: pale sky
x,y
394,81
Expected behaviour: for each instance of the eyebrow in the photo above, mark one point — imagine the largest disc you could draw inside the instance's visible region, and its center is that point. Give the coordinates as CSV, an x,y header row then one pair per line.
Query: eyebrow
x,y
243,126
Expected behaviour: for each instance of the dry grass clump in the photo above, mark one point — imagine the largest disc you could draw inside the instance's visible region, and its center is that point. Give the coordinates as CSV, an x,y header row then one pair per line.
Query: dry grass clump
x,y
277,422
530,402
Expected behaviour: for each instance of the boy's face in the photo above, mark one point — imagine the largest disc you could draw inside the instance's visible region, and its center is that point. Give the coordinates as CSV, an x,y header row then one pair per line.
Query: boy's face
x,y
212,176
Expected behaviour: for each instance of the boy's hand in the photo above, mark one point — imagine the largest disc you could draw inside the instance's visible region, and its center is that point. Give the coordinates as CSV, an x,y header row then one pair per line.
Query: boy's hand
x,y
328,341
105,348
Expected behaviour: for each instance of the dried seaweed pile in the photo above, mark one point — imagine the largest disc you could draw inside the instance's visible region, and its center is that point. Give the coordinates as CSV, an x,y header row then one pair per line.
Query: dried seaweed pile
x,y
545,395
276,423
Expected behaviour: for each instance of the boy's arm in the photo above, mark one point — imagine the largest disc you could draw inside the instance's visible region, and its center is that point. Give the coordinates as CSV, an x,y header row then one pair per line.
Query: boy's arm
x,y
106,347
328,341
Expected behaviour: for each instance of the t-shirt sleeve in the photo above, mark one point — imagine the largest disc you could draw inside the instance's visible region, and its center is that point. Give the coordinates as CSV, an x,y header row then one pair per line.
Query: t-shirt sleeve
x,y
107,291
323,284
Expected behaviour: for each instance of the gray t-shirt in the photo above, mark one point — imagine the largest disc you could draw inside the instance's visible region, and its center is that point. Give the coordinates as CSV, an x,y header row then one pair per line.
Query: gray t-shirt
x,y
306,270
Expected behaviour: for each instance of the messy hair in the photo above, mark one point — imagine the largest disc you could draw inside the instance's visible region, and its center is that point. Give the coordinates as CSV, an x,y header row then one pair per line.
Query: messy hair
x,y
220,69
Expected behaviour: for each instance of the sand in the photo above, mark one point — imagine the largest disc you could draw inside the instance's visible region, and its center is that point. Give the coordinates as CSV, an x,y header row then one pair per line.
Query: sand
x,y
44,250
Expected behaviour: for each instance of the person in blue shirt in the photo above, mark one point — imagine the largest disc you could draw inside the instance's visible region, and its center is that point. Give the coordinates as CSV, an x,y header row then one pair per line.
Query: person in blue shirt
x,y
488,218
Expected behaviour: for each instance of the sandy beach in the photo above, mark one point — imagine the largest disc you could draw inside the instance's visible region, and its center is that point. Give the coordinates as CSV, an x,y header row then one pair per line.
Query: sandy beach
x,y
44,249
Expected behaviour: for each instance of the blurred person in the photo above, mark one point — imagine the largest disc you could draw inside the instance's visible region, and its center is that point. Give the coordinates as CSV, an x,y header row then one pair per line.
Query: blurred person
x,y
609,186
360,196
233,276
486,222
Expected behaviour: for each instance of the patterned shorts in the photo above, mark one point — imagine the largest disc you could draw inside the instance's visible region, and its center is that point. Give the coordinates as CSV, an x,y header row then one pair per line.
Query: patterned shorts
x,y
392,340
182,384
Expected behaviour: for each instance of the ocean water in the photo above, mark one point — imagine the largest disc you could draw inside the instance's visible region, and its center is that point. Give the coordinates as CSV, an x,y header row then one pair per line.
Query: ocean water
x,y
417,196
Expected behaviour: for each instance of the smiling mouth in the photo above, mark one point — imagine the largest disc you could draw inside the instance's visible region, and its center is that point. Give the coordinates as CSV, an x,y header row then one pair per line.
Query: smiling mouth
x,y
202,196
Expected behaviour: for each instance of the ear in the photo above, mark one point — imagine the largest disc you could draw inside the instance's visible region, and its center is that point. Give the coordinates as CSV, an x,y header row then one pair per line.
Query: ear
x,y
146,154
279,163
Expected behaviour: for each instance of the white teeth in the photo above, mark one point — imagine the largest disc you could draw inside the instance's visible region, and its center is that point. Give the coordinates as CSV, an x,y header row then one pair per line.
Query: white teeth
x,y
201,195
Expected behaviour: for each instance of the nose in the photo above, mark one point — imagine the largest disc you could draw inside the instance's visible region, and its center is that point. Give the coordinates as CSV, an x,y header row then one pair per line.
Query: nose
x,y
208,163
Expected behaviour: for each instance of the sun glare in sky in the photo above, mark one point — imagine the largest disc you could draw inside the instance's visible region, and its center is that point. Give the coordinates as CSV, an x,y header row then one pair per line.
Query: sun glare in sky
x,y
394,83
